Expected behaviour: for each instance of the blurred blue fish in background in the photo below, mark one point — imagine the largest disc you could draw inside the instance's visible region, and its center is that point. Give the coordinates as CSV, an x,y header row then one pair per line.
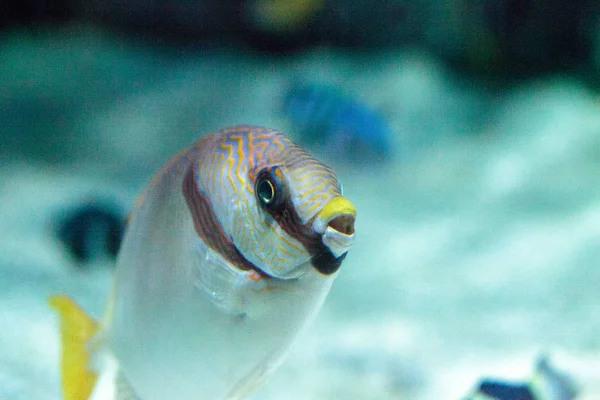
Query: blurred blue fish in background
x,y
547,383
337,123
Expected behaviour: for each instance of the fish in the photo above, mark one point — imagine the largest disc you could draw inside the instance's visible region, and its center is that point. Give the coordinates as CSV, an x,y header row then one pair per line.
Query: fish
x,y
338,122
91,230
284,16
546,383
228,255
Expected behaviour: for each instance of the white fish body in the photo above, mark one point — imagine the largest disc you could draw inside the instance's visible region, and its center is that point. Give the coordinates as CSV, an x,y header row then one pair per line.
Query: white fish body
x,y
229,253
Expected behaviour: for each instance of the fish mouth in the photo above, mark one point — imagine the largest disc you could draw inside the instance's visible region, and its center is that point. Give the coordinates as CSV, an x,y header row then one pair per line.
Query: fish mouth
x,y
328,237
339,234
335,224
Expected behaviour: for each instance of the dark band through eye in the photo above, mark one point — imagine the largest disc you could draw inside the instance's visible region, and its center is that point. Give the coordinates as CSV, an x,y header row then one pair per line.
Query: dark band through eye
x,y
270,189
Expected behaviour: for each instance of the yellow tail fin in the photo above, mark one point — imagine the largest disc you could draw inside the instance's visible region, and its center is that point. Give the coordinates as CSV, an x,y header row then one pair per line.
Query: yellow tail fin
x,y
76,330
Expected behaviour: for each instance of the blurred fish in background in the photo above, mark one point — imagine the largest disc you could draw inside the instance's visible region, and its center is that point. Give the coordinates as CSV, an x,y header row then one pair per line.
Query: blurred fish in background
x,y
344,127
547,383
91,230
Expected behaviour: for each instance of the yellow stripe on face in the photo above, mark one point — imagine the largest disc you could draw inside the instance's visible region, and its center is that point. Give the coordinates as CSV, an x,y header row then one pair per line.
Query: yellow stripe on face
x,y
229,166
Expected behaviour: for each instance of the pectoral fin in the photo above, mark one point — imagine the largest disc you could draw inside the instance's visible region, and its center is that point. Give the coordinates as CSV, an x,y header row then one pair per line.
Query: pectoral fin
x,y
76,330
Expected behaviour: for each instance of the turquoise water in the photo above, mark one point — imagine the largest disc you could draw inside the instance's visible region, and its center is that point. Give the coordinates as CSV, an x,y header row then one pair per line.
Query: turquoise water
x,y
476,243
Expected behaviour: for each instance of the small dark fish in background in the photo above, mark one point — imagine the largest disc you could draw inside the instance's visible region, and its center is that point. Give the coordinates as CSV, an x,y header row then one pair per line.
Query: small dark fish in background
x,y
546,384
91,230
499,390
326,117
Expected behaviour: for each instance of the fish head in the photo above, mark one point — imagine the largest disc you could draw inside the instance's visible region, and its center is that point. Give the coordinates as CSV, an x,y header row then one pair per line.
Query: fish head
x,y
282,210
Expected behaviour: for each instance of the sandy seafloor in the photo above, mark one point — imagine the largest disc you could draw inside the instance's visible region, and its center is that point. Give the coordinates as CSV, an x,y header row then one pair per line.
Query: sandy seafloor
x,y
477,244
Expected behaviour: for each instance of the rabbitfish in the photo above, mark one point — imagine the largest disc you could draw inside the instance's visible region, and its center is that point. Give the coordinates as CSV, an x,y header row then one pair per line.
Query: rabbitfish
x,y
229,252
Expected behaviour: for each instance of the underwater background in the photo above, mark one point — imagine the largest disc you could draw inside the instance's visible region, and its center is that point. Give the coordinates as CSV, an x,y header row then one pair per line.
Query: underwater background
x,y
467,134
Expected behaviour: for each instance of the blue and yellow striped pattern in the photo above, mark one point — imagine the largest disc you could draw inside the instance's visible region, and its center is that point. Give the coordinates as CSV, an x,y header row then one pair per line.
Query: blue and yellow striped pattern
x,y
225,170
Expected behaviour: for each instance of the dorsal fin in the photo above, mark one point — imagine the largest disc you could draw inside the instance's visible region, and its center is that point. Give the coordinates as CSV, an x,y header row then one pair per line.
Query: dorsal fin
x,y
76,330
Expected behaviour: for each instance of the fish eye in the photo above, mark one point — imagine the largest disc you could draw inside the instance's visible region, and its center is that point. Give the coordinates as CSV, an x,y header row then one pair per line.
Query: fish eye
x,y
266,191
269,188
